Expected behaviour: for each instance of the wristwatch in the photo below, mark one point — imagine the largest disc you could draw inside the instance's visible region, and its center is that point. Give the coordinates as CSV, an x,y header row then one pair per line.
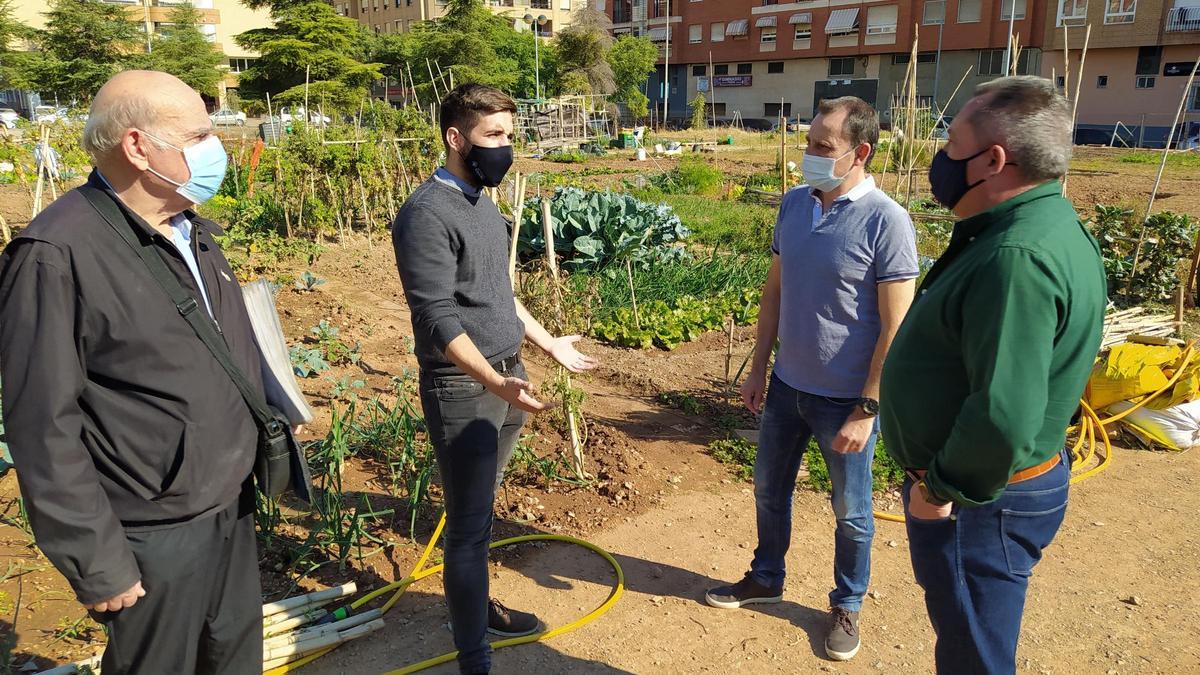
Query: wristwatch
x,y
869,406
926,493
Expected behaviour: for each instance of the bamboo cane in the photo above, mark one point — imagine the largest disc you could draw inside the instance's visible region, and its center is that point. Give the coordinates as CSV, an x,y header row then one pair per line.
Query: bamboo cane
x,y
274,658
1137,254
1087,38
293,623
518,212
312,632
309,598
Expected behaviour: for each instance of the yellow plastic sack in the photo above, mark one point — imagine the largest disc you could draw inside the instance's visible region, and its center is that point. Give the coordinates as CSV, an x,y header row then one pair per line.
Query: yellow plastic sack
x,y
1129,372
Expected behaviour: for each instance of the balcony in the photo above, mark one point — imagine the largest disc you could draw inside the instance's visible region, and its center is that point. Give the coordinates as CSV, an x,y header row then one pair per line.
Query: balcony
x,y
1183,19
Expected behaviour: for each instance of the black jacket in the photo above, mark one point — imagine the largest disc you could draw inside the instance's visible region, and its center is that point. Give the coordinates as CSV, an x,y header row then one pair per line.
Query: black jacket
x,y
117,415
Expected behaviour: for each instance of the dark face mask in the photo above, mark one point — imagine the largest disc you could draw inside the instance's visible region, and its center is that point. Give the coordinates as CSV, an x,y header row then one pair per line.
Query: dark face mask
x,y
489,164
948,177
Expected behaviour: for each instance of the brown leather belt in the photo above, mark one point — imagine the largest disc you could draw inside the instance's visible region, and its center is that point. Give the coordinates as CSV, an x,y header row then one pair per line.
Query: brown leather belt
x,y
1035,471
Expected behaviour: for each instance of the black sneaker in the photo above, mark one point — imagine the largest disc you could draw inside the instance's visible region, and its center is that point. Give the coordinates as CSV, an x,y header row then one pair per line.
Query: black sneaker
x,y
509,622
745,592
843,642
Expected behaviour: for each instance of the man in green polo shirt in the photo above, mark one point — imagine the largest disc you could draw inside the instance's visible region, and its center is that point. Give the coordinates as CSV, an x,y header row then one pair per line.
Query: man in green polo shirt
x,y
987,369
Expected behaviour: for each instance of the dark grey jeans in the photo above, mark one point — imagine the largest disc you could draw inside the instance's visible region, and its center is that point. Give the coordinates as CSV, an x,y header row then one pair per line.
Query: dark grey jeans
x,y
474,433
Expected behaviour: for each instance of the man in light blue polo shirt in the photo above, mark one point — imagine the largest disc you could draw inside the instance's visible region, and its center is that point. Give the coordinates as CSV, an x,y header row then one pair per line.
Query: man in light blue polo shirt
x,y
845,261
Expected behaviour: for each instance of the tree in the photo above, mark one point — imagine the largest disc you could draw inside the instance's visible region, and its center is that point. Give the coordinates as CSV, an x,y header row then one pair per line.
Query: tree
x,y
308,39
85,43
13,64
583,50
632,60
476,46
699,108
184,52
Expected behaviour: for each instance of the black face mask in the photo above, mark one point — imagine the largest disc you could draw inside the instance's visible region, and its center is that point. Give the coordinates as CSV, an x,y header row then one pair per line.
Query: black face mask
x,y
489,164
948,177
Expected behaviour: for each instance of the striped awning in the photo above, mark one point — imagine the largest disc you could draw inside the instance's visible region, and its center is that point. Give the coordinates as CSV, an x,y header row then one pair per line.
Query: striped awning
x,y
738,27
765,22
658,35
842,21
803,18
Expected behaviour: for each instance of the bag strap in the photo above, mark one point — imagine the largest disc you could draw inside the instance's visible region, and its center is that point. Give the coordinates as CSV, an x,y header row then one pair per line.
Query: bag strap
x,y
186,304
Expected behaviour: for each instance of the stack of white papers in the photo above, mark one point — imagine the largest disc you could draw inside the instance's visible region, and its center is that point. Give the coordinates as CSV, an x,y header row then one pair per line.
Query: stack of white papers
x,y
282,390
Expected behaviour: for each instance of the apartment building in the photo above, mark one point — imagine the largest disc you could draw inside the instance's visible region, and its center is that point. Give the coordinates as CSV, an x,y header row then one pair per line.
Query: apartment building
x,y
768,57
399,16
220,21
1139,57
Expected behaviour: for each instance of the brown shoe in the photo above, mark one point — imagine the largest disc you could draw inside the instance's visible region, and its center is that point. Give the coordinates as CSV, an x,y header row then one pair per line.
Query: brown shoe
x,y
843,642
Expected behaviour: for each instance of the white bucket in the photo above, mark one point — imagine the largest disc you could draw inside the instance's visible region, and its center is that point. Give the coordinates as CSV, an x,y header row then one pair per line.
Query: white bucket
x,y
641,154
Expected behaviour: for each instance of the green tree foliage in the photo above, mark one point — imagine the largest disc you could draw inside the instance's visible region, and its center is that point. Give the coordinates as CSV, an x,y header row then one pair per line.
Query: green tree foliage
x,y
85,42
699,119
475,45
632,60
308,36
583,50
13,63
184,52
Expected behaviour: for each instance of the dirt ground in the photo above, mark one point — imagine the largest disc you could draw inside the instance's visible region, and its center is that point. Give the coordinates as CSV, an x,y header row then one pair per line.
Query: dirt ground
x,y
1117,592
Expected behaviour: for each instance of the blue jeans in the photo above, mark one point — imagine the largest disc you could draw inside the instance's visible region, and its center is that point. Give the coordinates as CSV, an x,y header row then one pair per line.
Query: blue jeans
x,y
975,566
473,433
790,419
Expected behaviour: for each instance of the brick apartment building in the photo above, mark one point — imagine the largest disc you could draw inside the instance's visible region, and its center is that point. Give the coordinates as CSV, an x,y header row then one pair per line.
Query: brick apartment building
x,y
764,52
1139,58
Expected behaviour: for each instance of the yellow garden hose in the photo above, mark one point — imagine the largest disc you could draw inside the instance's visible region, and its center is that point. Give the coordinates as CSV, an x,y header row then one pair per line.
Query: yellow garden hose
x,y
420,572
1090,427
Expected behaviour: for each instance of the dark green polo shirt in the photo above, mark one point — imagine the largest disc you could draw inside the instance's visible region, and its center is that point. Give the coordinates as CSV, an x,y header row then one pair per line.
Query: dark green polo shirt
x,y
989,364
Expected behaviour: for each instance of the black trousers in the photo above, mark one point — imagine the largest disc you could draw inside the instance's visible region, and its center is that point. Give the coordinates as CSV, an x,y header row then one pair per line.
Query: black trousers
x,y
202,612
474,433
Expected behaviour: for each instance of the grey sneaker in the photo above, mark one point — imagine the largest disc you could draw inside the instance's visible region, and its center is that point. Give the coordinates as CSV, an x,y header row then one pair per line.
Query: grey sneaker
x,y
509,622
745,592
843,642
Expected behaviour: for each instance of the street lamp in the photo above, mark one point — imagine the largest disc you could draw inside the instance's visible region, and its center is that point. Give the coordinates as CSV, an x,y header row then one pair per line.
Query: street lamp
x,y
534,23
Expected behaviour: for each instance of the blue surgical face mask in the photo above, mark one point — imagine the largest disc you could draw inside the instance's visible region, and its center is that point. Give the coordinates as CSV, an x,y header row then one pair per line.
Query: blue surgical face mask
x,y
206,161
818,171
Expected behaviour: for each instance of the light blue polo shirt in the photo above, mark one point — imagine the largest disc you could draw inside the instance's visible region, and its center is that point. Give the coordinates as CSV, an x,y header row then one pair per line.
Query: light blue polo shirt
x,y
832,263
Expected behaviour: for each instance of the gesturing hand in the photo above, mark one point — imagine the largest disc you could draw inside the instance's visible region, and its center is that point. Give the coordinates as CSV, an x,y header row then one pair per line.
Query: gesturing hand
x,y
563,350
519,393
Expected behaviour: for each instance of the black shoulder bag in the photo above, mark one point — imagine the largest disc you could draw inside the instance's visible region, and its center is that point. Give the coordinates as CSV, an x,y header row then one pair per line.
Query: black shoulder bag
x,y
279,462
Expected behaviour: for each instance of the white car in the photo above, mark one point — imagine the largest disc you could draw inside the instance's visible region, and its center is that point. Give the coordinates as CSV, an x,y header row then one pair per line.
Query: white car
x,y
48,114
316,119
227,117
9,117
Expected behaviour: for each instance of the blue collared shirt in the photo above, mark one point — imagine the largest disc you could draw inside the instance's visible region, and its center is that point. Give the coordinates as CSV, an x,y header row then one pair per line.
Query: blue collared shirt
x,y
443,175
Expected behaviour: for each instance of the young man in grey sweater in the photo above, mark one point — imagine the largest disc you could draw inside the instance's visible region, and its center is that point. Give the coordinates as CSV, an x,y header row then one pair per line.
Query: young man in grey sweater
x,y
452,252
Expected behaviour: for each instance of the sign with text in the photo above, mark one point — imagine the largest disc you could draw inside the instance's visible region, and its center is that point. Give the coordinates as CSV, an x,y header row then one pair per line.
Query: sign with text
x,y
733,81
1180,68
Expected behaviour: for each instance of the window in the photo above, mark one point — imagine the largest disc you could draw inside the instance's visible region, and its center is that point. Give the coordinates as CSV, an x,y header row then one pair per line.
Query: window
x,y
1060,82
923,57
695,34
991,62
970,11
1144,82
771,110
841,67
722,69
803,33
882,20
717,33
240,65
1148,60
1101,81
767,37
1119,11
565,5
1072,12
1006,9
935,13
774,67
1194,106
699,71
745,68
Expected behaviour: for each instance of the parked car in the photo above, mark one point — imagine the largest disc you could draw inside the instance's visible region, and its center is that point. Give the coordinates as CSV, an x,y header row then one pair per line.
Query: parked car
x,y
48,114
227,118
9,117
314,118
941,128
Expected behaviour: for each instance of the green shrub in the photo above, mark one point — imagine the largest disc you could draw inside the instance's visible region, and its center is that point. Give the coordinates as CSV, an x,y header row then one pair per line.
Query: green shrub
x,y
692,176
